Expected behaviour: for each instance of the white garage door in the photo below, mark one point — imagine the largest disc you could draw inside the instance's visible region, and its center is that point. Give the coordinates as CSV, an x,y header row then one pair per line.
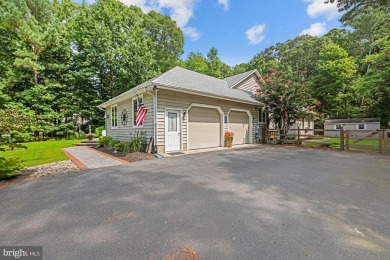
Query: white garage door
x,y
239,125
204,128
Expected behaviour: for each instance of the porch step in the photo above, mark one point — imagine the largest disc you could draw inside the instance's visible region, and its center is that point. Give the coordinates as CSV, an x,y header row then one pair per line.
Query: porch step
x,y
91,143
86,144
94,141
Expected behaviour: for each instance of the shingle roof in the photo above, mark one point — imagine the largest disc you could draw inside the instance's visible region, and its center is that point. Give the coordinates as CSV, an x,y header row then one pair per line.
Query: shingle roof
x,y
233,80
353,120
186,80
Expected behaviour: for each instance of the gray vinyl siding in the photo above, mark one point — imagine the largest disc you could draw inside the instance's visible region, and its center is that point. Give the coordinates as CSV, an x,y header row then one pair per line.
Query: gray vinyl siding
x,y
125,132
182,101
331,127
249,85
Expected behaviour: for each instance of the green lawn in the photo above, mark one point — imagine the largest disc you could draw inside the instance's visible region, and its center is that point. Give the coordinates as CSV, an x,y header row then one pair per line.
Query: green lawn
x,y
41,152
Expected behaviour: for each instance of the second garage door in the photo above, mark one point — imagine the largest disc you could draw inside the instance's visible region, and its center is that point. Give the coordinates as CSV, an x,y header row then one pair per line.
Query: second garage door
x,y
204,128
239,125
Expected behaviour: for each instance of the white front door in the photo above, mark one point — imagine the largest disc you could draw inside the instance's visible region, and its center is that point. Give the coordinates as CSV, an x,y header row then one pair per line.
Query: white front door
x,y
173,130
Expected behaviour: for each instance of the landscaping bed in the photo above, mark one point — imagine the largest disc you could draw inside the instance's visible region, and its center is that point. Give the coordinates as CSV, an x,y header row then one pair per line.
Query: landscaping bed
x,y
49,169
129,157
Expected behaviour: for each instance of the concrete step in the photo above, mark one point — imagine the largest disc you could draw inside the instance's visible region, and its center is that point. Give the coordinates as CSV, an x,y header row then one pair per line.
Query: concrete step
x,y
86,144
89,142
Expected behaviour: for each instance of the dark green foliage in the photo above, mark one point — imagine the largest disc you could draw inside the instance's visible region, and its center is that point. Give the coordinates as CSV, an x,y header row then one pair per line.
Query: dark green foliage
x,y
104,141
60,59
136,143
352,8
345,69
10,167
99,130
211,66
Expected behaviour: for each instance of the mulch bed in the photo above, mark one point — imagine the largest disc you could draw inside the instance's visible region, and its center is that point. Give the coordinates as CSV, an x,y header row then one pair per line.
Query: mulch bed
x,y
129,157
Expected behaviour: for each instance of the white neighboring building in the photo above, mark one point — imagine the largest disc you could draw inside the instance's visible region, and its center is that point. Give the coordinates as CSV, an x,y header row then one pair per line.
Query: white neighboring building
x,y
351,124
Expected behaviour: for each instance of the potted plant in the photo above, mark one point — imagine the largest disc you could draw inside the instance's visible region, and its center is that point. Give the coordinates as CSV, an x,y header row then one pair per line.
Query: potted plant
x,y
229,139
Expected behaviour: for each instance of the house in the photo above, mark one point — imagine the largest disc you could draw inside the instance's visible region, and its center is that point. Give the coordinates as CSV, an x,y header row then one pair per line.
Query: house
x,y
351,124
189,110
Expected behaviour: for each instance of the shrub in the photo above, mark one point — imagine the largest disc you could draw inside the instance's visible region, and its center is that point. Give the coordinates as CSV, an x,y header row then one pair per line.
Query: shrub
x,y
113,143
81,135
90,136
104,141
12,145
19,137
10,167
99,130
138,142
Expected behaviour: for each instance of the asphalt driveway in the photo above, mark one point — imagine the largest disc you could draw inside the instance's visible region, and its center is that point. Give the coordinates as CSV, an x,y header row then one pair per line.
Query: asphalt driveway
x,y
258,203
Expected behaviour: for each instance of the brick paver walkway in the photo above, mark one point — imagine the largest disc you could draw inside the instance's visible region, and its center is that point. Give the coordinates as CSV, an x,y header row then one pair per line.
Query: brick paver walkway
x,y
88,158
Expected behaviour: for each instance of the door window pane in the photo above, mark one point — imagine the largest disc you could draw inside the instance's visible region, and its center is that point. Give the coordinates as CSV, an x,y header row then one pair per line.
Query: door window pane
x,y
172,122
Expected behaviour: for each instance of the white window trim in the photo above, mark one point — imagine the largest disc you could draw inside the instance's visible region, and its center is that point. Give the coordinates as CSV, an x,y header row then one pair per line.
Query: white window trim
x,y
114,127
134,114
261,115
357,126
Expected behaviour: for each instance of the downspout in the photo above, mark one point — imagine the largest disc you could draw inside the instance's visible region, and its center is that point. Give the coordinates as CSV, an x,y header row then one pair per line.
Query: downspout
x,y
154,116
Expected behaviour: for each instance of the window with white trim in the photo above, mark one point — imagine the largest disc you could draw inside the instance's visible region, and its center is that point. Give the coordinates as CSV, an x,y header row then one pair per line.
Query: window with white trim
x,y
337,127
135,107
261,116
114,116
225,119
361,126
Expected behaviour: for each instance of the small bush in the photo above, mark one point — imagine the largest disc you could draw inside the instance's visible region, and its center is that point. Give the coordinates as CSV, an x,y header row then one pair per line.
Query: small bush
x,y
138,142
99,130
10,167
90,136
113,143
104,141
81,135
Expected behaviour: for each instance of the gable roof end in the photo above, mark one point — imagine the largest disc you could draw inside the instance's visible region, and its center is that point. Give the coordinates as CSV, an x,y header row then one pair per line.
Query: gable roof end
x,y
236,79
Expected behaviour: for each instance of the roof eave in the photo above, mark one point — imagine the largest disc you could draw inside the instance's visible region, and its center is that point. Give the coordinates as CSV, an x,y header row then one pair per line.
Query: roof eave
x,y
184,90
123,96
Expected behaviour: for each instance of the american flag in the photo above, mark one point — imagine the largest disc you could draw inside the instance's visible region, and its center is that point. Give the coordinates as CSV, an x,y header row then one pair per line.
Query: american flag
x,y
141,113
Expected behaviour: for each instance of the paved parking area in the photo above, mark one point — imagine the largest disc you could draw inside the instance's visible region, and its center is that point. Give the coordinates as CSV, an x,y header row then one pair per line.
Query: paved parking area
x,y
254,203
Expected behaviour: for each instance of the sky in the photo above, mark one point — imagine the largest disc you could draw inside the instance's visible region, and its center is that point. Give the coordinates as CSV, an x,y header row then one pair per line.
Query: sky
x,y
240,29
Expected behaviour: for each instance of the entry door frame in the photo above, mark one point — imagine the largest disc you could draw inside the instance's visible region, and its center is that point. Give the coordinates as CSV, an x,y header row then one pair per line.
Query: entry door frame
x,y
180,128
